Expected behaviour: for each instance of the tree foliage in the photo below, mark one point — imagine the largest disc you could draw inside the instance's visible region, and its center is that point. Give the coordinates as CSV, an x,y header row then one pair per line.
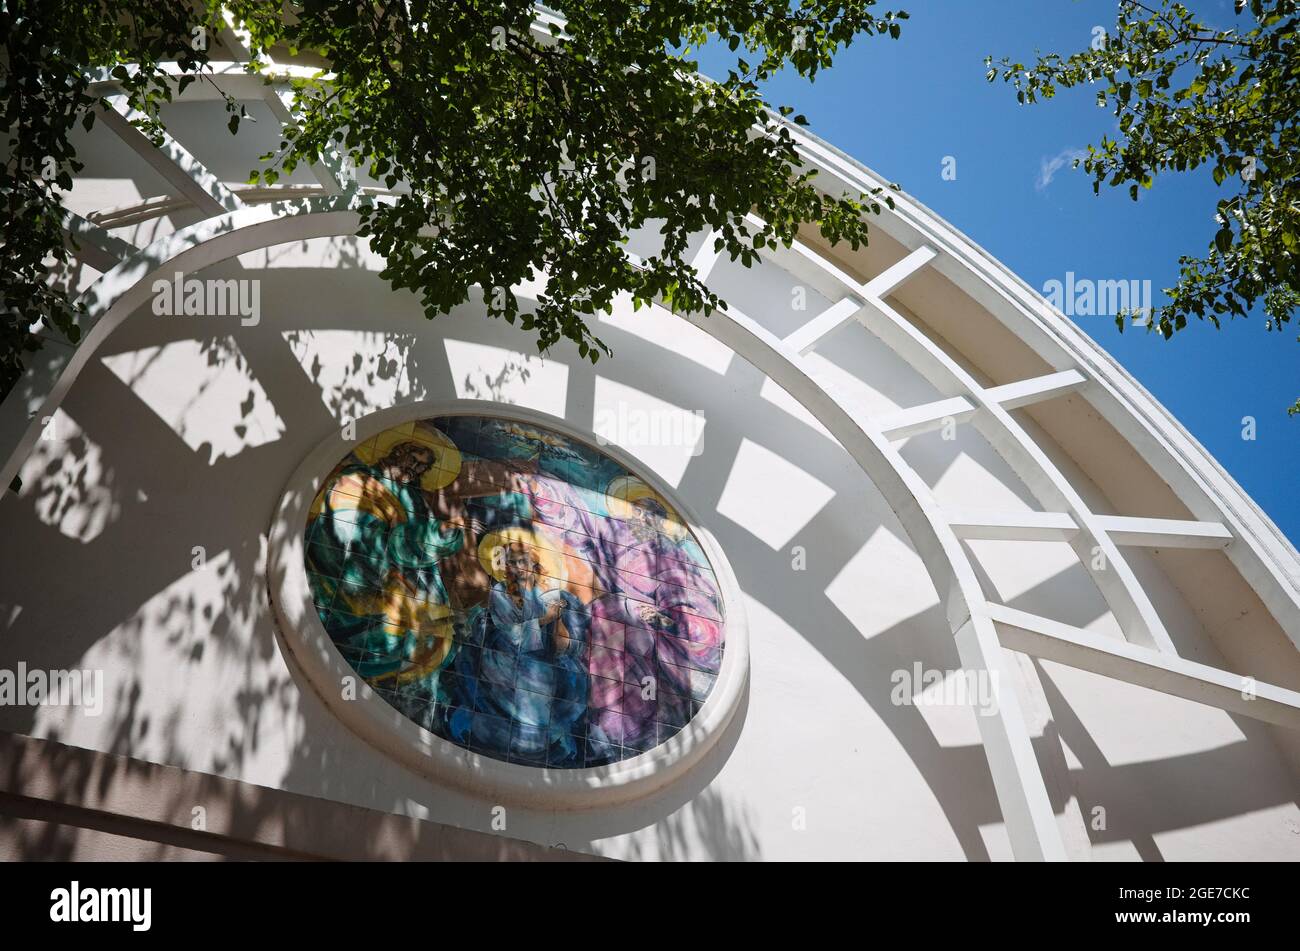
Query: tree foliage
x,y
1187,95
512,154
49,52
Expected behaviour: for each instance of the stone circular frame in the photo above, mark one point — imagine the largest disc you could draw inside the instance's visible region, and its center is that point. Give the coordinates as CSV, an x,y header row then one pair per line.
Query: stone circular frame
x,y
422,658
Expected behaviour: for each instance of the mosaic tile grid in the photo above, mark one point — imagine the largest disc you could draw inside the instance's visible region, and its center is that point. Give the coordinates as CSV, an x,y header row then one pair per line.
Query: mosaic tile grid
x,y
514,591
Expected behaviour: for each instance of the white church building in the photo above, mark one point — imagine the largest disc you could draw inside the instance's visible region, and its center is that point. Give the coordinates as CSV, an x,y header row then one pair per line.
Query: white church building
x,y
887,561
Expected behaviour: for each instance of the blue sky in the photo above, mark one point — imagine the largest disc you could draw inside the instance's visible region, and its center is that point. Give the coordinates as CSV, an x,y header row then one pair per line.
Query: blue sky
x,y
900,106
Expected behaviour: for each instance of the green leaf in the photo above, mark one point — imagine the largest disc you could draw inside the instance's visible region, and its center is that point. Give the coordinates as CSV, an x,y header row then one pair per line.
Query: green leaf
x,y
1189,92
464,135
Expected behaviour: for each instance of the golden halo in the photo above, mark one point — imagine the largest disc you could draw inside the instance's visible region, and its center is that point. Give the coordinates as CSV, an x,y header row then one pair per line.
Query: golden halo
x,y
543,547
630,490
446,457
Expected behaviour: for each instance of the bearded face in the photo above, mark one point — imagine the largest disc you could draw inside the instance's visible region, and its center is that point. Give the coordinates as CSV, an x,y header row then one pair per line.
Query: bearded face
x,y
521,566
647,519
408,462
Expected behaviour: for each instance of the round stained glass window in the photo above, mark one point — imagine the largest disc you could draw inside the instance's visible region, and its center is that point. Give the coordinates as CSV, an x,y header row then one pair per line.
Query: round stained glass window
x,y
515,591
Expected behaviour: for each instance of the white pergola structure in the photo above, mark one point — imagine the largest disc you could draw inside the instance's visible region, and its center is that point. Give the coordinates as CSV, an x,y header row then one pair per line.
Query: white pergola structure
x,y
238,221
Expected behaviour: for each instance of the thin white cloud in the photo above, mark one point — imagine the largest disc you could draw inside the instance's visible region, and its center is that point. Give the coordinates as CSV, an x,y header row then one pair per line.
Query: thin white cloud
x,y
1048,167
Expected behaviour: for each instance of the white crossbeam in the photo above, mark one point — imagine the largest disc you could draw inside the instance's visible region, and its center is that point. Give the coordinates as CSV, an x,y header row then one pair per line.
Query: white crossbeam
x,y
894,276
331,171
844,310
1156,670
706,257
172,161
95,246
992,525
928,416
1036,389
219,79
1164,532
829,320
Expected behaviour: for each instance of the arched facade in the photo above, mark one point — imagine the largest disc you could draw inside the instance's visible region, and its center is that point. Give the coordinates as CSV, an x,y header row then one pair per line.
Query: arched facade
x,y
920,474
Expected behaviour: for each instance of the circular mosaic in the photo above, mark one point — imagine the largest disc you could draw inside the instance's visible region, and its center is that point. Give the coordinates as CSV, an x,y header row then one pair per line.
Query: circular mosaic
x,y
515,591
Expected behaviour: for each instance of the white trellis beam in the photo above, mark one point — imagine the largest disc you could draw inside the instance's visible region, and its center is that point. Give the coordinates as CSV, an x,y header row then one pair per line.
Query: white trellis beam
x,y
216,81
706,257
842,311
894,276
95,246
172,161
1050,640
1012,526
920,419
1059,526
1164,532
331,171
1026,809
833,317
1036,389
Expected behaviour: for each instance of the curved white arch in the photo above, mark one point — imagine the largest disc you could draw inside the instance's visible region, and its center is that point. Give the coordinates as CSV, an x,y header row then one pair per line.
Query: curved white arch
x,y
122,289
